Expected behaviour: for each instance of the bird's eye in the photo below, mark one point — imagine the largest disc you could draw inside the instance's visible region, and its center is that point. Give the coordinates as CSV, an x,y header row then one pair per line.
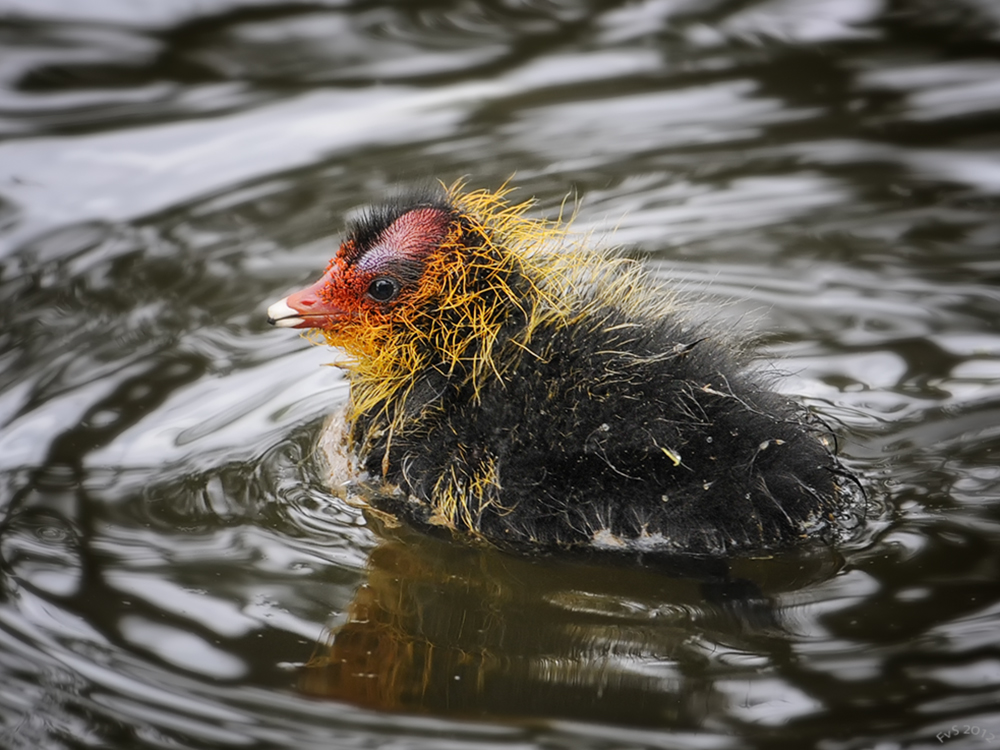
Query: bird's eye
x,y
383,289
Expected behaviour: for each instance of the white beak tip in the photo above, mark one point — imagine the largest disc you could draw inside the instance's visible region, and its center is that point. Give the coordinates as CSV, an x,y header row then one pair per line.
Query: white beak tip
x,y
281,315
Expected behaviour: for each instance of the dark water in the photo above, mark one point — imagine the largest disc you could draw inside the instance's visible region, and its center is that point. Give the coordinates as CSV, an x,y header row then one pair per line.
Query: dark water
x,y
825,171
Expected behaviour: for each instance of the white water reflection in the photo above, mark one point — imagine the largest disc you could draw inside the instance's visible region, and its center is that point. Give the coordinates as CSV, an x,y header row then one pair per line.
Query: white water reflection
x,y
122,176
576,133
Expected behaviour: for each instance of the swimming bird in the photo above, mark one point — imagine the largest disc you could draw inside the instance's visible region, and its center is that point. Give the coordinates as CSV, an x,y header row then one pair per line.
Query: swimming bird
x,y
509,385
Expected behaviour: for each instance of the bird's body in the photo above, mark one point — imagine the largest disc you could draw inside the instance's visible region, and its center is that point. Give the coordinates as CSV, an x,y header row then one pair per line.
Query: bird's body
x,y
551,398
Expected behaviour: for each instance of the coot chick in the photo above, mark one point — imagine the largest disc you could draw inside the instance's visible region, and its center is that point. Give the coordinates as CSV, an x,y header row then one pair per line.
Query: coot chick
x,y
511,386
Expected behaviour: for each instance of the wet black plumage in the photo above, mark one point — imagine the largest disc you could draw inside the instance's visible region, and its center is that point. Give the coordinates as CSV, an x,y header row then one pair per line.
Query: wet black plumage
x,y
556,398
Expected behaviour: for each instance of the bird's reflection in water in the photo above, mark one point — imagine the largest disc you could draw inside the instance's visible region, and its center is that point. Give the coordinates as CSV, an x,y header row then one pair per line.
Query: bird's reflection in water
x,y
450,630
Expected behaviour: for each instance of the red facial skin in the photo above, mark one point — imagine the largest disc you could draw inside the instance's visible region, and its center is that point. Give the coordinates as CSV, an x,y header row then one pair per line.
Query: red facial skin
x,y
397,254
309,303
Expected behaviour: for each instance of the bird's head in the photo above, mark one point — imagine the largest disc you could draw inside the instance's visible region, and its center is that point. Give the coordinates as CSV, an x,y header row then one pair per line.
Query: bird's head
x,y
425,283
378,275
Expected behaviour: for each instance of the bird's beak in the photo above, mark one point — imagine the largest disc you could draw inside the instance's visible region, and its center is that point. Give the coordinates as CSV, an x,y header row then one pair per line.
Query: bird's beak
x,y
305,309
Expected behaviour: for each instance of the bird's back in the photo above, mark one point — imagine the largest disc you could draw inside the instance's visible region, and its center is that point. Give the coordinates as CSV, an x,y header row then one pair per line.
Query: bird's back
x,y
610,431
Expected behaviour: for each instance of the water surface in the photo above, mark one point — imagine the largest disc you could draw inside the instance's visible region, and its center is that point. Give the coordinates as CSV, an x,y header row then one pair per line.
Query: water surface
x,y
174,571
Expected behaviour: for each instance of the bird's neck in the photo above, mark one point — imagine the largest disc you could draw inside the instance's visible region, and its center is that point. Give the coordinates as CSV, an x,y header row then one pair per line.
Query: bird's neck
x,y
466,334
